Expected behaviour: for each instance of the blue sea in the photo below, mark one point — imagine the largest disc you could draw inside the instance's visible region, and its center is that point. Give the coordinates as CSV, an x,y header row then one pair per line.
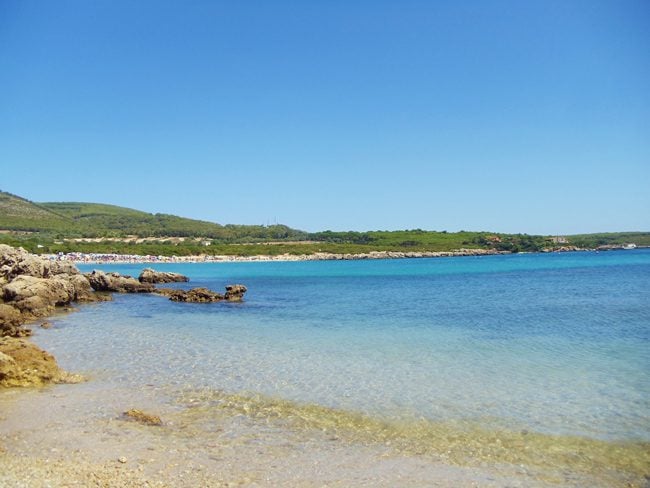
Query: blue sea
x,y
552,343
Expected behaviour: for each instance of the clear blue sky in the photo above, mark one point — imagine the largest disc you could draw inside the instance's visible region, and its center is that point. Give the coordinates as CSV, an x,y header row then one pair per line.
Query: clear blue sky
x,y
512,116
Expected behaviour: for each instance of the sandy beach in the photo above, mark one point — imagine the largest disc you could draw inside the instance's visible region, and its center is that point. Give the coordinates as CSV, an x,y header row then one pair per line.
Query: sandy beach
x,y
99,258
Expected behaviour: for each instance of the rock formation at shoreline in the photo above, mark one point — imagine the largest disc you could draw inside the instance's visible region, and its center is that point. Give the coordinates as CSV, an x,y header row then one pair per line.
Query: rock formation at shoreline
x,y
10,321
115,282
234,293
24,364
149,275
33,287
195,295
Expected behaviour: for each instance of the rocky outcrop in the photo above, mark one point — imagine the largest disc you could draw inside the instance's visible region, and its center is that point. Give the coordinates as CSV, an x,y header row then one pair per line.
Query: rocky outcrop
x,y
195,295
32,287
234,293
38,297
16,262
563,249
24,364
10,322
149,275
115,282
83,292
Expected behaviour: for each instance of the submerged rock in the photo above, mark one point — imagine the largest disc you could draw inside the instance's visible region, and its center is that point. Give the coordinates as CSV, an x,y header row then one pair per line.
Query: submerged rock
x,y
149,275
142,417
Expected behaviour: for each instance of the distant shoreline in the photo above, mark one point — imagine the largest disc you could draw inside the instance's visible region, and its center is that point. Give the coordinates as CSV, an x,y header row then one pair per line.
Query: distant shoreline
x,y
100,258
114,258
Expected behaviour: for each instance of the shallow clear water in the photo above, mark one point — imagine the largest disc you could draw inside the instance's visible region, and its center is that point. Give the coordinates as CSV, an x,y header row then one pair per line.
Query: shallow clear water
x,y
552,343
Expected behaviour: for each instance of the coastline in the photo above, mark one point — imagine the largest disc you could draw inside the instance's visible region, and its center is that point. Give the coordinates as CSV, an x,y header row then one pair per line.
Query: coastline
x,y
115,258
101,258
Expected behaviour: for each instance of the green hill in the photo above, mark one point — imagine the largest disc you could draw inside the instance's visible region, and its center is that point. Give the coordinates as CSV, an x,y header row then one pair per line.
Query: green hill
x,y
96,219
77,219
54,227
19,214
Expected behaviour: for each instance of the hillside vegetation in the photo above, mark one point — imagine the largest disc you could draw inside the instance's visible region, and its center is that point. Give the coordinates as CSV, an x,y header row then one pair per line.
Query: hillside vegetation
x,y
60,226
19,214
76,219
610,239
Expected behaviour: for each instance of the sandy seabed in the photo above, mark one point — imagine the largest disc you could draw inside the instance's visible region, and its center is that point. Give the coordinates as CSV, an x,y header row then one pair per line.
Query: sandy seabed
x,y
76,435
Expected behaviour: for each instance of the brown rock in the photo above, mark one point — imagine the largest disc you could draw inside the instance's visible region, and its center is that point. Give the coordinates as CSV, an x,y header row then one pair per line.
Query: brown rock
x,y
149,275
99,281
168,291
16,262
37,297
33,307
195,295
83,292
115,282
32,286
63,267
24,364
142,417
235,293
10,321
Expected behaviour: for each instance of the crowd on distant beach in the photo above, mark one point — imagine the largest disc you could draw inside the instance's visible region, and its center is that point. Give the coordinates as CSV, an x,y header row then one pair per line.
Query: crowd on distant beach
x,y
105,258
102,258
80,257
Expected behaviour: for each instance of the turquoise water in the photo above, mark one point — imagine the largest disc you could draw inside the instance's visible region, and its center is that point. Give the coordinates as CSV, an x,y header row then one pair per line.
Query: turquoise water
x,y
551,343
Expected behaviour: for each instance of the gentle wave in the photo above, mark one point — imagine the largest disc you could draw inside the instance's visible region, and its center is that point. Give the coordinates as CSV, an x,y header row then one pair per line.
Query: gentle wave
x,y
457,442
